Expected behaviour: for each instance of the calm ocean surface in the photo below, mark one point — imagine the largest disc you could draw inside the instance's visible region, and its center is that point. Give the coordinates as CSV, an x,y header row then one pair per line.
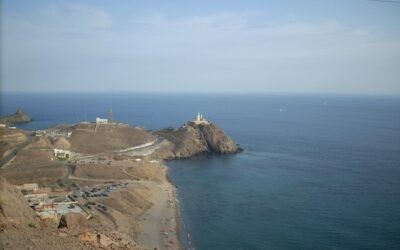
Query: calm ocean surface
x,y
318,172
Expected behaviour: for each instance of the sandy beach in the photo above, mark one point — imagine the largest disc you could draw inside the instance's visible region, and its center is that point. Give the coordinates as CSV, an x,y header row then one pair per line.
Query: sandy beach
x,y
158,225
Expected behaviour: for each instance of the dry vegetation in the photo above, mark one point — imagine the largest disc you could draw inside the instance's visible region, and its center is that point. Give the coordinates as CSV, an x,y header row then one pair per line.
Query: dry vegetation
x,y
43,174
87,139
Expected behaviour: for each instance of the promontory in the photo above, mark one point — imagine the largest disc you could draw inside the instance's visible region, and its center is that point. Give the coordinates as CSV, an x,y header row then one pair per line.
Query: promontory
x,y
18,117
97,184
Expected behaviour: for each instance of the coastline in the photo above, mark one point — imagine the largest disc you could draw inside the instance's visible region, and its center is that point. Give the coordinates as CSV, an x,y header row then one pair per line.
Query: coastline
x,y
160,225
149,214
182,232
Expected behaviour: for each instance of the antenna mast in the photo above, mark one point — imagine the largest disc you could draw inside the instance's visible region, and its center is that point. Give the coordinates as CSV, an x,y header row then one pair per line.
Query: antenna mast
x,y
110,116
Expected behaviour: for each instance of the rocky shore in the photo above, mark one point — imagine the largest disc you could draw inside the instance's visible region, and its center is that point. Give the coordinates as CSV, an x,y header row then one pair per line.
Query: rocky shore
x,y
193,139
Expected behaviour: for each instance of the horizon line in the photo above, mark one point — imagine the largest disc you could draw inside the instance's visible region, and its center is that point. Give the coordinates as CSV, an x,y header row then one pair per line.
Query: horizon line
x,y
202,92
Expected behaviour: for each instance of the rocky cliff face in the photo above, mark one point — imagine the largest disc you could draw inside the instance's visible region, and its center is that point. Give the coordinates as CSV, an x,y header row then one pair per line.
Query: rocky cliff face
x,y
193,139
216,139
19,117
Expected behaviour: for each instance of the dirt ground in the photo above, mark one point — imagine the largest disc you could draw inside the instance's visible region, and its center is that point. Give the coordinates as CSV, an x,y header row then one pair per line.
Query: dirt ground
x,y
9,138
107,137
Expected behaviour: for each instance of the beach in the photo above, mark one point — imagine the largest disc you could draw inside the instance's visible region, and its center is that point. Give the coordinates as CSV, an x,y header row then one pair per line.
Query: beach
x,y
158,226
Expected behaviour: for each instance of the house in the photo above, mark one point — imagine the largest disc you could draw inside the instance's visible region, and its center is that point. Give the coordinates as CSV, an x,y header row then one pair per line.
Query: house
x,y
62,154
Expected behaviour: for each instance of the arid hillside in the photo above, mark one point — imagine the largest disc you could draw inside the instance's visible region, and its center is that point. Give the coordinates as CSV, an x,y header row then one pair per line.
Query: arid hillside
x,y
20,228
92,139
9,139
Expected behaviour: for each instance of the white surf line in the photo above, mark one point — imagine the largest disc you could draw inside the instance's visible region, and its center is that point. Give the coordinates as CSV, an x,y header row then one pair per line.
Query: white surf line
x,y
137,147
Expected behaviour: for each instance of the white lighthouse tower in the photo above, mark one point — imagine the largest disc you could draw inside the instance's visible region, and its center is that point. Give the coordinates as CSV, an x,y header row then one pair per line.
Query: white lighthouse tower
x,y
200,119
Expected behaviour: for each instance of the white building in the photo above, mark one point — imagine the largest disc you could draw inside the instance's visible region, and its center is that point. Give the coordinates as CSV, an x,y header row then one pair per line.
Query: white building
x,y
62,154
200,119
29,187
101,121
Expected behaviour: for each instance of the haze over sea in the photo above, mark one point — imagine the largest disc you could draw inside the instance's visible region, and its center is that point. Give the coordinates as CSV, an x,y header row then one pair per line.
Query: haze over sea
x,y
318,172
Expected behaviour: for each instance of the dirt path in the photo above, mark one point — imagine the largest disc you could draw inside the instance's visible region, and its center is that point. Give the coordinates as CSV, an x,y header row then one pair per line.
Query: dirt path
x,y
71,177
131,175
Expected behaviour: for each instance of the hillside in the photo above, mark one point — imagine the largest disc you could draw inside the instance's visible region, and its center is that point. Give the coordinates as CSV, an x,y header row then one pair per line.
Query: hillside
x,y
92,139
9,139
20,228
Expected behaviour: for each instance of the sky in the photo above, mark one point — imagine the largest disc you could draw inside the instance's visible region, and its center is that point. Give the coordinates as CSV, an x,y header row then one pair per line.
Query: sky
x,y
290,46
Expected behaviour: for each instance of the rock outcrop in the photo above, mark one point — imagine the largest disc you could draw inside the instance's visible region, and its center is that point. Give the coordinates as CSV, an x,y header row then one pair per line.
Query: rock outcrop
x,y
13,207
19,117
193,139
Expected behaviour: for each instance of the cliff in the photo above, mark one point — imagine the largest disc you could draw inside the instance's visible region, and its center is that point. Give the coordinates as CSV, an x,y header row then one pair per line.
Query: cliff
x,y
193,139
19,117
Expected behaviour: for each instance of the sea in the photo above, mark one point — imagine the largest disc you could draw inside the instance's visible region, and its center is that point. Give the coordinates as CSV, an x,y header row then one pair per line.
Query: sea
x,y
317,171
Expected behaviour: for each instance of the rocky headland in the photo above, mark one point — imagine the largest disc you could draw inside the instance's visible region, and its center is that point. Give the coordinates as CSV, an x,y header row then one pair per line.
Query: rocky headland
x,y
193,139
19,117
115,172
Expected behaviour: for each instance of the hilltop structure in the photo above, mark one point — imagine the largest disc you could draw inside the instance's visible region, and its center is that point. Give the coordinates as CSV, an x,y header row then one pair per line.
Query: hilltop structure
x,y
200,119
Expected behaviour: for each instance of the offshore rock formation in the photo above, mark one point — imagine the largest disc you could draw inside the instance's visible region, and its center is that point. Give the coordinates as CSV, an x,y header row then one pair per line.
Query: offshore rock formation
x,y
19,117
196,138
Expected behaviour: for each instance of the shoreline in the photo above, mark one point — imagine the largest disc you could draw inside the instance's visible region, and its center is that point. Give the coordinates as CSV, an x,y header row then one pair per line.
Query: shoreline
x,y
160,224
158,220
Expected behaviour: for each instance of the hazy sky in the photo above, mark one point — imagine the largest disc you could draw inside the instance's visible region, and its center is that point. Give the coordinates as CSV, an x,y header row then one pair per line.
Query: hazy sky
x,y
345,46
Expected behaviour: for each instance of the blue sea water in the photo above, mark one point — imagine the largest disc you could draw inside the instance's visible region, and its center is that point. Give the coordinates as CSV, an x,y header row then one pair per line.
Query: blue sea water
x,y
318,172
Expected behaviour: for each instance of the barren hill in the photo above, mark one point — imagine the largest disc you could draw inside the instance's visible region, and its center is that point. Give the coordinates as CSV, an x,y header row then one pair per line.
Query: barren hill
x,y
9,139
92,139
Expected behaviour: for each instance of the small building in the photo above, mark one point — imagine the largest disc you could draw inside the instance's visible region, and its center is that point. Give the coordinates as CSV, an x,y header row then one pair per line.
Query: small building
x,y
29,187
40,132
101,121
62,154
49,215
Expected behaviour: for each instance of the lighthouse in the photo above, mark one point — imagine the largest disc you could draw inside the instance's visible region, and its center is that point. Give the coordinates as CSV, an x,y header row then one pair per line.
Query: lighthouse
x,y
200,119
